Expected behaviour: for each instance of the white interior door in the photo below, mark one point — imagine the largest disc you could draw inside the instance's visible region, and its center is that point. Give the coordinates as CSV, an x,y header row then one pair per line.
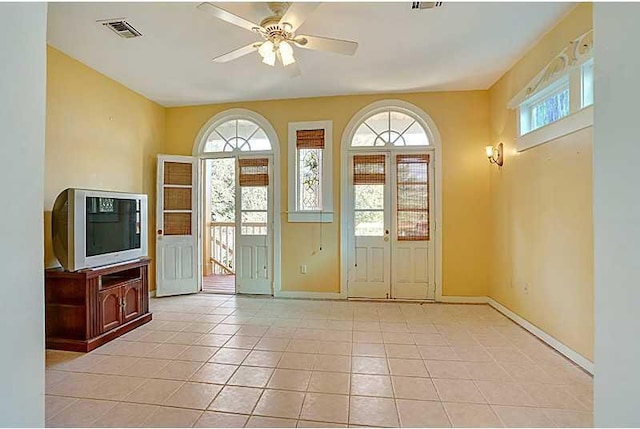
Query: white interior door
x,y
371,270
176,232
254,239
411,252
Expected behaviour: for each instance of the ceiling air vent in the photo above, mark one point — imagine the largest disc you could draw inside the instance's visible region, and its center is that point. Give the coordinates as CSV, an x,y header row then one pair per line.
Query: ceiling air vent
x,y
425,4
121,27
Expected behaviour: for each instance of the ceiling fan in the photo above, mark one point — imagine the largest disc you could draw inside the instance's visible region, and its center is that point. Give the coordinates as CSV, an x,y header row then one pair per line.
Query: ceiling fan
x,y
278,34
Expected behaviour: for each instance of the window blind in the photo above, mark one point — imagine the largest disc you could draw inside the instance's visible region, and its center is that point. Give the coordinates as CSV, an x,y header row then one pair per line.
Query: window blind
x,y
310,139
413,197
369,169
254,172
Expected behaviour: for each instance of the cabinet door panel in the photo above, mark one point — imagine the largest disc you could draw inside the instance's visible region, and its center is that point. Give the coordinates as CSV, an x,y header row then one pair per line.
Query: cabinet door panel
x,y
132,301
110,309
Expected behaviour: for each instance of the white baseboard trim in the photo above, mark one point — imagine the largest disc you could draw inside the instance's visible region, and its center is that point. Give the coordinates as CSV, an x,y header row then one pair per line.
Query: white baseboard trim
x,y
307,295
463,299
571,354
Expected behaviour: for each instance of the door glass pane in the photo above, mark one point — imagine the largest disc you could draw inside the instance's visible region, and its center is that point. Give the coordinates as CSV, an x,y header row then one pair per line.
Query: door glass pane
x,y
253,223
412,200
413,225
413,197
413,172
369,223
369,197
254,197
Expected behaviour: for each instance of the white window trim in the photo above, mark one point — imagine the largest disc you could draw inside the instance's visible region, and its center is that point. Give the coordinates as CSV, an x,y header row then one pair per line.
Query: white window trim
x,y
566,66
326,214
569,124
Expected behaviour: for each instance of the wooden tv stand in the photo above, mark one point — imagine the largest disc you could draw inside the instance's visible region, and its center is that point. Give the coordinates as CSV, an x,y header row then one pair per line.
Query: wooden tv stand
x,y
88,308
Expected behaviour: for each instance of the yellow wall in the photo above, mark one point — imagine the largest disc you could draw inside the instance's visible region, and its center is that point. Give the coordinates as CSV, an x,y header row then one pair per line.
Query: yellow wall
x,y
463,121
99,135
542,222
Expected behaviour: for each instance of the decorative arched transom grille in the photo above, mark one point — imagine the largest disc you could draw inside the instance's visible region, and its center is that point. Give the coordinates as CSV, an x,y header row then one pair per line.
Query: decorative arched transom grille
x,y
390,128
237,135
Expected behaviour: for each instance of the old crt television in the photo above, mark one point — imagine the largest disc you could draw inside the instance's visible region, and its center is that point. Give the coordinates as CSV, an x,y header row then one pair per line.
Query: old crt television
x,y
96,228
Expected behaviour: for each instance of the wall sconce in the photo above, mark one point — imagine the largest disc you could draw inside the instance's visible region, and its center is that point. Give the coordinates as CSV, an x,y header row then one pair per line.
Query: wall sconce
x,y
495,154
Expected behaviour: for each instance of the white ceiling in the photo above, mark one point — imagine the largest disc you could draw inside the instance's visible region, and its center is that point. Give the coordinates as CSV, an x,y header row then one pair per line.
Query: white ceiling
x,y
458,46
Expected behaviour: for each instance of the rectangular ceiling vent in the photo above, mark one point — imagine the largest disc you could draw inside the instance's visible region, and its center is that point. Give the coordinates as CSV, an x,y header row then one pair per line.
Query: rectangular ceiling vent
x,y
425,4
121,27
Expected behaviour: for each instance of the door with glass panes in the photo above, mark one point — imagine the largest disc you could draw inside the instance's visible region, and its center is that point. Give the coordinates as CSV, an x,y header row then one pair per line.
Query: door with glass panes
x,y
253,226
391,231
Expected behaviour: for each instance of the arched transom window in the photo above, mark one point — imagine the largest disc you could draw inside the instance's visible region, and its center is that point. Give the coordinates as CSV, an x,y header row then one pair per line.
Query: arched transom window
x,y
236,135
390,128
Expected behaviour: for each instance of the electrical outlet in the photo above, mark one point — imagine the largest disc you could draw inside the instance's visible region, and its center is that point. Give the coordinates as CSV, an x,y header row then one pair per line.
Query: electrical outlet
x,y
303,269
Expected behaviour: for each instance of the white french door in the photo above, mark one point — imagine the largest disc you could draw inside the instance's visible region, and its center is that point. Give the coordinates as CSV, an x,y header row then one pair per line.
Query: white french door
x,y
392,253
254,220
371,276
412,253
176,226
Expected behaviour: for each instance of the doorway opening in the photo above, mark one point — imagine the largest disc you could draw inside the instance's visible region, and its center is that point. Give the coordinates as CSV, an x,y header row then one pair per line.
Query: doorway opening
x,y
219,226
237,244
229,244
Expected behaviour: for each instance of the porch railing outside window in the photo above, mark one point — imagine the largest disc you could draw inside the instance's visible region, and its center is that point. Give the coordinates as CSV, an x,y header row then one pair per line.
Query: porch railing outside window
x,y
223,247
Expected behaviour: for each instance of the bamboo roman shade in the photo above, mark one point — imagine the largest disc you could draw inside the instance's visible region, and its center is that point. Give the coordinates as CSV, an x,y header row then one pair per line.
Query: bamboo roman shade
x,y
254,172
369,169
177,173
310,139
177,192
413,197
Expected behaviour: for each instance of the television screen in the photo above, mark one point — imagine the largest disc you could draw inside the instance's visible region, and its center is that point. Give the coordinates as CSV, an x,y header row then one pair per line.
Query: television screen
x,y
113,225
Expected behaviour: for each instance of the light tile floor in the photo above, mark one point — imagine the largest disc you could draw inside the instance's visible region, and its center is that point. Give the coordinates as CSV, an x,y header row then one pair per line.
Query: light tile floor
x,y
224,361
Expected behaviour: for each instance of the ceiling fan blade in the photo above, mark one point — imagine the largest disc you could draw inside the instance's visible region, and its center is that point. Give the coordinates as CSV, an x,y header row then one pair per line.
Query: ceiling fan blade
x,y
344,47
237,53
227,16
297,13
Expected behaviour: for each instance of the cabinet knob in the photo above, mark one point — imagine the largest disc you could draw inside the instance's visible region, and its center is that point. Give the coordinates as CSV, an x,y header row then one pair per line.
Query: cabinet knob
x,y
159,232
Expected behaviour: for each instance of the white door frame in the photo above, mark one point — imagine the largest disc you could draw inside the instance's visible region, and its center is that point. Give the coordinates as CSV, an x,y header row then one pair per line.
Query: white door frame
x,y
198,152
434,148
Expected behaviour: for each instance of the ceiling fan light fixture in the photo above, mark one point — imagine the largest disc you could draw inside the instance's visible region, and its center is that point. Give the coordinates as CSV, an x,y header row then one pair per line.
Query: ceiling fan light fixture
x,y
268,53
286,53
270,59
266,49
